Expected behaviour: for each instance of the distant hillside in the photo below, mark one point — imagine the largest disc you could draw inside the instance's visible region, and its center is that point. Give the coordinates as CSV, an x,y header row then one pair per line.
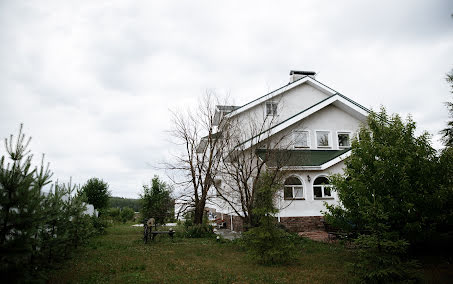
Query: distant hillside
x,y
120,202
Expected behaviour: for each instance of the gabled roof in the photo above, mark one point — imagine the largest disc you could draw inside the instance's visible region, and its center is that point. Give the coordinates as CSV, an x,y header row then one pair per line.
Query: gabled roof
x,y
302,159
305,79
336,99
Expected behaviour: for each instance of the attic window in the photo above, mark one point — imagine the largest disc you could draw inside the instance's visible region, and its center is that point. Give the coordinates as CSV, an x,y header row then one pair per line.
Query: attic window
x,y
271,108
323,139
301,139
344,140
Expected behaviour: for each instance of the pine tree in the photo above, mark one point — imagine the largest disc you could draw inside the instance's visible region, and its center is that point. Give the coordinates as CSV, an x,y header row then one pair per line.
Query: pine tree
x,y
20,205
447,133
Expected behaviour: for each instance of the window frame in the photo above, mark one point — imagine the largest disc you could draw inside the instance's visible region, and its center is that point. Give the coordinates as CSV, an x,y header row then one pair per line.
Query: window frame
x,y
273,107
293,187
295,146
322,186
329,136
349,133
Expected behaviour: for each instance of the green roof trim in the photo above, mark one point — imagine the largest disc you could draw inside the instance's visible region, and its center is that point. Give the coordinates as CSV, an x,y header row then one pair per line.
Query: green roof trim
x,y
298,158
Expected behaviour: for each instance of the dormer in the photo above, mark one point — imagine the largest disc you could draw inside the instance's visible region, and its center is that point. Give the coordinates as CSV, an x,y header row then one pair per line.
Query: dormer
x,y
221,111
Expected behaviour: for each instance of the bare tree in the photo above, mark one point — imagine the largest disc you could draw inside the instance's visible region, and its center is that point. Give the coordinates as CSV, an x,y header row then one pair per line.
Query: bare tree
x,y
198,164
249,152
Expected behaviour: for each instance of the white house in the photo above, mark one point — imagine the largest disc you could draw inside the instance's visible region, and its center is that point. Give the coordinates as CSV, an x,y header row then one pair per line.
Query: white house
x,y
317,124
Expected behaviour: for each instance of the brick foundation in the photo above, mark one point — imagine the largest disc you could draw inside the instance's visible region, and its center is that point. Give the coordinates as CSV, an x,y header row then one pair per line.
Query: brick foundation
x,y
293,224
303,224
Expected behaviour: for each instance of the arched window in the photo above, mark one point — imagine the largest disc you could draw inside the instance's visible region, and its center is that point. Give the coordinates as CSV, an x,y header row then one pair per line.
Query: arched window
x,y
322,188
293,188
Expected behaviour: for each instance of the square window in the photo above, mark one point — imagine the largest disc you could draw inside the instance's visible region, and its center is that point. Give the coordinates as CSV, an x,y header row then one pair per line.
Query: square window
x,y
327,191
323,138
301,139
344,140
271,108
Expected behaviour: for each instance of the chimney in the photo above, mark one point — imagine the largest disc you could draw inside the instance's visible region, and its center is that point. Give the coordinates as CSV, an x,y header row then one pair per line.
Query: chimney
x,y
295,75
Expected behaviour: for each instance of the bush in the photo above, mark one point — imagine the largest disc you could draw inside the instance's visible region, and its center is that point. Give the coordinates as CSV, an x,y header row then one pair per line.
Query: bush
x,y
190,230
114,214
382,260
199,231
270,245
100,224
127,214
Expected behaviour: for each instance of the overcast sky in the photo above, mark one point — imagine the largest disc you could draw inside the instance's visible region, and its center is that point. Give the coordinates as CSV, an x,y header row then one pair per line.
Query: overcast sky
x,y
93,81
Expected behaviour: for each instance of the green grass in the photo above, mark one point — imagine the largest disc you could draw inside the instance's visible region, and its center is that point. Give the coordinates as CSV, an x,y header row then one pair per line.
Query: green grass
x,y
121,257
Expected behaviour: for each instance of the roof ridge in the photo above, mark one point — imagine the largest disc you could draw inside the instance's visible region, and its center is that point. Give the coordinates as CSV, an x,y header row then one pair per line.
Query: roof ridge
x,y
272,92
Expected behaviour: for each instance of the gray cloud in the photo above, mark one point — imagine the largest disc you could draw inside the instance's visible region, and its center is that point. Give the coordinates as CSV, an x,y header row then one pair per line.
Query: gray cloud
x,y
93,81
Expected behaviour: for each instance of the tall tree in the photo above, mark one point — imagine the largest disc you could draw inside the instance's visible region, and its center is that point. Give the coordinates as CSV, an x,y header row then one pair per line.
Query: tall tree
x,y
156,201
392,195
447,133
196,131
97,193
249,151
20,204
393,175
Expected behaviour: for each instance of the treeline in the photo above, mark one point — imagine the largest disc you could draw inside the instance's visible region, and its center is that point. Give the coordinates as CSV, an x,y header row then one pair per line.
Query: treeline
x,y
37,228
120,202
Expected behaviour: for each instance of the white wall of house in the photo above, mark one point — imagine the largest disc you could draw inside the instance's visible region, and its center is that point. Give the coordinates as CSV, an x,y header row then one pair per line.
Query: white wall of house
x,y
289,103
330,118
309,206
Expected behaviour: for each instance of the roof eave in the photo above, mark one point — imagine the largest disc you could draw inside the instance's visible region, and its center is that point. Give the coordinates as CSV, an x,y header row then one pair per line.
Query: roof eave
x,y
322,167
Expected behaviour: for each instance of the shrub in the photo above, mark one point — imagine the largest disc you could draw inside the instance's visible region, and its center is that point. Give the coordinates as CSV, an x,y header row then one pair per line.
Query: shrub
x,y
266,243
190,230
114,214
127,214
382,260
271,245
199,231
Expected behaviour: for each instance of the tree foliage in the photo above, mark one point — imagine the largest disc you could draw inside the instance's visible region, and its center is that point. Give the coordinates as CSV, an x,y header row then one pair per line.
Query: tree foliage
x,y
266,243
447,133
97,193
127,214
121,202
156,201
198,164
37,229
393,194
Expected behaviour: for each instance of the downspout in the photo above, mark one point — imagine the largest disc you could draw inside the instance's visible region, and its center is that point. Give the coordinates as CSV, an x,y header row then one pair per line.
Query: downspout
x,y
231,220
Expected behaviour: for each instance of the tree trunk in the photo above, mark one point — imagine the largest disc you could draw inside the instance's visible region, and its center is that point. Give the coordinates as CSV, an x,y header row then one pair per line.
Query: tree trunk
x,y
199,212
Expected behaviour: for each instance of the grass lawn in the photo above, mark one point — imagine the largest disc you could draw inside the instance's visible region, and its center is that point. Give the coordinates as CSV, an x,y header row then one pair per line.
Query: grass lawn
x,y
120,256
